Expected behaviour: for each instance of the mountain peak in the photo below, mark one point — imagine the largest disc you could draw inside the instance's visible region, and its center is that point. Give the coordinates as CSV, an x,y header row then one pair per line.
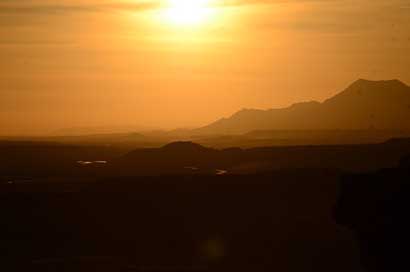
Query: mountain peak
x,y
364,104
184,146
372,91
372,83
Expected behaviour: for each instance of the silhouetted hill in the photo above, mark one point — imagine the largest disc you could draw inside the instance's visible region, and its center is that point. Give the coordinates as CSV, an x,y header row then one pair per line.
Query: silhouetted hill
x,y
405,162
260,138
189,158
50,159
364,104
177,157
185,148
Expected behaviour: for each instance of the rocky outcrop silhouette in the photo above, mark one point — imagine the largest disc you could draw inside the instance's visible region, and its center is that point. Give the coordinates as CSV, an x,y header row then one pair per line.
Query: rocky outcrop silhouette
x,y
375,207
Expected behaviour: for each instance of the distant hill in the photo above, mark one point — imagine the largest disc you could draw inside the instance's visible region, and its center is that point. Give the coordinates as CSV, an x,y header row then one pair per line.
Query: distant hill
x,y
187,158
299,137
176,157
363,105
191,158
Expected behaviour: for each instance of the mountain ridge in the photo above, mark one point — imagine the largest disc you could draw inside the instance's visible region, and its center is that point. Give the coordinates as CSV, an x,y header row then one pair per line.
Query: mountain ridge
x,y
364,104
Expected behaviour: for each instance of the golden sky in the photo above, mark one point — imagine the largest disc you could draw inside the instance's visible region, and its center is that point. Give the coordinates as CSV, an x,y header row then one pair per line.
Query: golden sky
x,y
80,63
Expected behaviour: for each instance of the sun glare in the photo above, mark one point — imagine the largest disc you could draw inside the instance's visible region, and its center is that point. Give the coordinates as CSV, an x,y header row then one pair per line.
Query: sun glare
x,y
187,12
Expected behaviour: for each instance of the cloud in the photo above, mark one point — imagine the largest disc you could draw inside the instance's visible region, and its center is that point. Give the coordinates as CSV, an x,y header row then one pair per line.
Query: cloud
x,y
24,7
326,15
33,9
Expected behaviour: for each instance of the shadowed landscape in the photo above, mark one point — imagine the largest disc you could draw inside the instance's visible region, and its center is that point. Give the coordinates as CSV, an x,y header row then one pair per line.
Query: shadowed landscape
x,y
106,202
204,135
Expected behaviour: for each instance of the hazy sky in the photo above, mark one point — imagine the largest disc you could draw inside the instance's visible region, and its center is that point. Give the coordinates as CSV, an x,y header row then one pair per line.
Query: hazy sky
x,y
80,63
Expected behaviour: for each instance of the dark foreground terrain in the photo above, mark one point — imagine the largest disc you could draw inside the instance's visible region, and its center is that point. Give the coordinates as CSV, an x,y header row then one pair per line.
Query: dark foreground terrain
x,y
267,222
376,207
92,209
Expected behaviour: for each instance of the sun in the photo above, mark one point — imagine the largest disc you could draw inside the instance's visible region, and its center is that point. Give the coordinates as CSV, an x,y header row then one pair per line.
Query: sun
x,y
187,12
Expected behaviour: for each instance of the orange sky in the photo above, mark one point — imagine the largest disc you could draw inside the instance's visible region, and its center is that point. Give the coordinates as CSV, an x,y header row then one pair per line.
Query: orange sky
x,y
88,63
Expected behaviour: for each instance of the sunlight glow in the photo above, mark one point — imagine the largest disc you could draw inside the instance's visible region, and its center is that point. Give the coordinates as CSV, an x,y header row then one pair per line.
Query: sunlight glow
x,y
187,12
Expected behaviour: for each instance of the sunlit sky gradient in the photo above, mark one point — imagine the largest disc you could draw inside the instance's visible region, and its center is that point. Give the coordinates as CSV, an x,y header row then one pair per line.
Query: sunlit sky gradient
x,y
80,63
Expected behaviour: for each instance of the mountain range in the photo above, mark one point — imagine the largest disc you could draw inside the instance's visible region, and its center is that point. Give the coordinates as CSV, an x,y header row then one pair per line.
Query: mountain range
x,y
365,112
381,105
